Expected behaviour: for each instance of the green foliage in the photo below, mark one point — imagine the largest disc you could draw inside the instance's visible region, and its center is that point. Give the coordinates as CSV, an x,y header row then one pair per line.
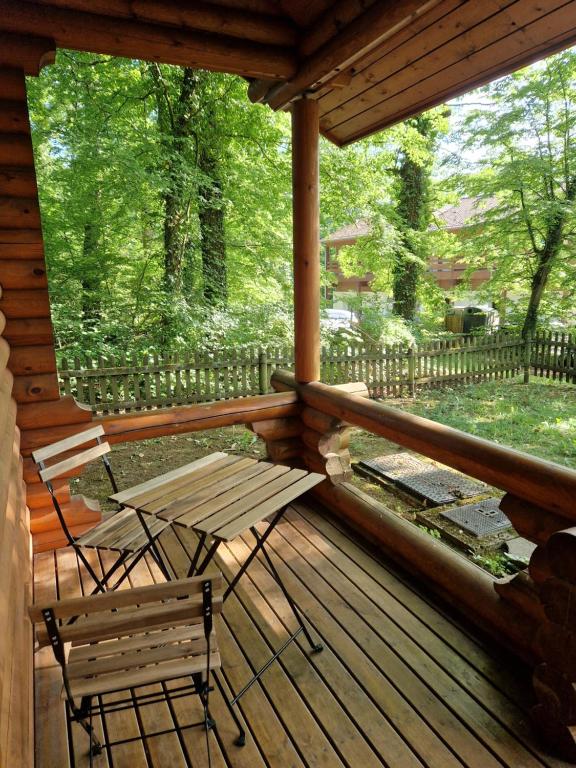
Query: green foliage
x,y
523,139
103,163
495,563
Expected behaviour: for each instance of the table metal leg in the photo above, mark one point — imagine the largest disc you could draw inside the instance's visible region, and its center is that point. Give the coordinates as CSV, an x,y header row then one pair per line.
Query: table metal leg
x,y
315,647
153,548
197,553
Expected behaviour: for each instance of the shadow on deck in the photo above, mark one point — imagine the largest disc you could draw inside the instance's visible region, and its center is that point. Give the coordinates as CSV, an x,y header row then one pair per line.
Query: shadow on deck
x,y
400,683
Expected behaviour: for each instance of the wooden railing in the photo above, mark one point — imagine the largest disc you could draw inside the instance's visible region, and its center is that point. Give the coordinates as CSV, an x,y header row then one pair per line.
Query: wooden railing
x,y
542,482
539,501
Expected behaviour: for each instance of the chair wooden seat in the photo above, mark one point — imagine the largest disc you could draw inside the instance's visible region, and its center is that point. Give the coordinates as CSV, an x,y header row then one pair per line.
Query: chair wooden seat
x,y
122,532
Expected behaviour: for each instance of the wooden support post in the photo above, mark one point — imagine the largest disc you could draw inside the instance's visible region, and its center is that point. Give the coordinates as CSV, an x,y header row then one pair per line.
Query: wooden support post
x,y
527,357
411,371
306,234
263,382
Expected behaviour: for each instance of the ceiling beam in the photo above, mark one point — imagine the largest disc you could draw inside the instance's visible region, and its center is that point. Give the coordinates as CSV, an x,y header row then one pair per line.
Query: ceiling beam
x,y
141,40
197,15
342,50
27,53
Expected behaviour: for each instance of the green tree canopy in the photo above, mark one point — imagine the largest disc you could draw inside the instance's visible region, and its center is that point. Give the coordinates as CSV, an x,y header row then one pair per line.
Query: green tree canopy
x,y
523,140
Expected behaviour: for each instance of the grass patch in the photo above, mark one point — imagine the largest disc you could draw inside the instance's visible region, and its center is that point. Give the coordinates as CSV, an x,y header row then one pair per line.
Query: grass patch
x,y
538,418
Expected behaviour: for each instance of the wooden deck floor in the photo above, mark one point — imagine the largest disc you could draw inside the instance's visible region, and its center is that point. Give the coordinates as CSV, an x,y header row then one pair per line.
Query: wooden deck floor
x,y
399,683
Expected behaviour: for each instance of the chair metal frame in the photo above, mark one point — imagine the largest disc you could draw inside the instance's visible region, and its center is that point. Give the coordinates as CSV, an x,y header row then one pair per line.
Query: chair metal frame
x,y
84,711
81,438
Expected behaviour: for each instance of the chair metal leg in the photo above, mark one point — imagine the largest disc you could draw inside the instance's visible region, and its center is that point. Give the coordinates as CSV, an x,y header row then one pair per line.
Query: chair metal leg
x,y
241,740
100,586
83,716
152,547
106,578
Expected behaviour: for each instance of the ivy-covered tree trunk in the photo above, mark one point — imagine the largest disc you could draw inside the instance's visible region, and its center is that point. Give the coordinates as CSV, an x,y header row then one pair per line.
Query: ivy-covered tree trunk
x,y
412,205
175,118
413,211
211,216
91,275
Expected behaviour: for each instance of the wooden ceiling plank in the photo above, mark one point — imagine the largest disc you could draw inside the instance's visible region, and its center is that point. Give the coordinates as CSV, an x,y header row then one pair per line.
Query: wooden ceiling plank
x,y
502,26
199,15
434,16
556,30
343,12
270,7
140,40
405,49
365,33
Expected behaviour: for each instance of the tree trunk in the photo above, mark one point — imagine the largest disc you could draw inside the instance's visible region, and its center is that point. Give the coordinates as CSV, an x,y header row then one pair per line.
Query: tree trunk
x,y
211,216
414,214
175,119
91,275
546,259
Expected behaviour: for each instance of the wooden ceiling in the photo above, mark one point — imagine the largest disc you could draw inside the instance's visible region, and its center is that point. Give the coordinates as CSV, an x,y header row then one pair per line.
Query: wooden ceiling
x,y
369,63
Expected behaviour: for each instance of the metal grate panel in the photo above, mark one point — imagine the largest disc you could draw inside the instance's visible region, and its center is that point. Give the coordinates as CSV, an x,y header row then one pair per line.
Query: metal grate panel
x,y
427,481
481,519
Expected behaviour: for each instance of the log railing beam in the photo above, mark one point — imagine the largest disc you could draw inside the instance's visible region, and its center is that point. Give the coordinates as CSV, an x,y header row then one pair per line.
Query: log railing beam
x,y
543,483
306,238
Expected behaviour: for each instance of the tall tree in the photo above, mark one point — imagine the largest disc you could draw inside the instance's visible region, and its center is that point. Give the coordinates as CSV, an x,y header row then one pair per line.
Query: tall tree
x,y
524,138
412,210
174,93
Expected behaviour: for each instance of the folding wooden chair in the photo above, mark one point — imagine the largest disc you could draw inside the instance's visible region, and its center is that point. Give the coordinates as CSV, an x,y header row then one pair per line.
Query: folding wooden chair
x,y
124,531
124,640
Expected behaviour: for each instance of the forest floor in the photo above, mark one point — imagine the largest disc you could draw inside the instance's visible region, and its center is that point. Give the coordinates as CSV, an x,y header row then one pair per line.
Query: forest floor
x,y
539,418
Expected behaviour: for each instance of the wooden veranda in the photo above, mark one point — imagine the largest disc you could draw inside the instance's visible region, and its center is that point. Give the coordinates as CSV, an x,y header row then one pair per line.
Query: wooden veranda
x,y
345,69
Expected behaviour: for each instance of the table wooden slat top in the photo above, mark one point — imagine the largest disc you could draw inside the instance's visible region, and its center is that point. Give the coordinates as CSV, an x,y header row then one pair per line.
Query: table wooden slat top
x,y
220,495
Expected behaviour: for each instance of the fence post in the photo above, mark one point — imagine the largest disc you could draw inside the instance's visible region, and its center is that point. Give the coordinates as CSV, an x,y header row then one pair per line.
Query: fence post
x,y
263,372
411,371
527,357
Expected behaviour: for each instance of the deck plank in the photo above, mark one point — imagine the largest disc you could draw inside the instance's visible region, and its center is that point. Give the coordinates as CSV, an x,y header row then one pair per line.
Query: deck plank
x,y
400,683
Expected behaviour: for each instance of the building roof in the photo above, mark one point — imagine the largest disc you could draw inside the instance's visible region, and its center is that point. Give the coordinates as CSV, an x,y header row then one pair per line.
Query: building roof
x,y
368,64
449,217
464,213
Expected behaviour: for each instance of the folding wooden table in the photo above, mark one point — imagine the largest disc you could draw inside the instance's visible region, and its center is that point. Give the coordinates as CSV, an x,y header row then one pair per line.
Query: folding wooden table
x,y
221,497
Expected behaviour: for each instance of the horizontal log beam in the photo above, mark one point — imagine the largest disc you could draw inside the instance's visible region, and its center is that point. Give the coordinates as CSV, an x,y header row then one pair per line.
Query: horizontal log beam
x,y
18,182
34,388
355,40
28,53
203,16
21,332
172,421
194,418
142,40
541,482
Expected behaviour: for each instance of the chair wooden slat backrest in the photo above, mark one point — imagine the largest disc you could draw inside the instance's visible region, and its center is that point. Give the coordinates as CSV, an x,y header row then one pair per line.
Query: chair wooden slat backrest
x,y
68,443
109,601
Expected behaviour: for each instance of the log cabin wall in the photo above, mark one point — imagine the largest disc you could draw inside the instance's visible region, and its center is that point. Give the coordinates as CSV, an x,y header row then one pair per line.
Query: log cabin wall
x,y
24,303
16,696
